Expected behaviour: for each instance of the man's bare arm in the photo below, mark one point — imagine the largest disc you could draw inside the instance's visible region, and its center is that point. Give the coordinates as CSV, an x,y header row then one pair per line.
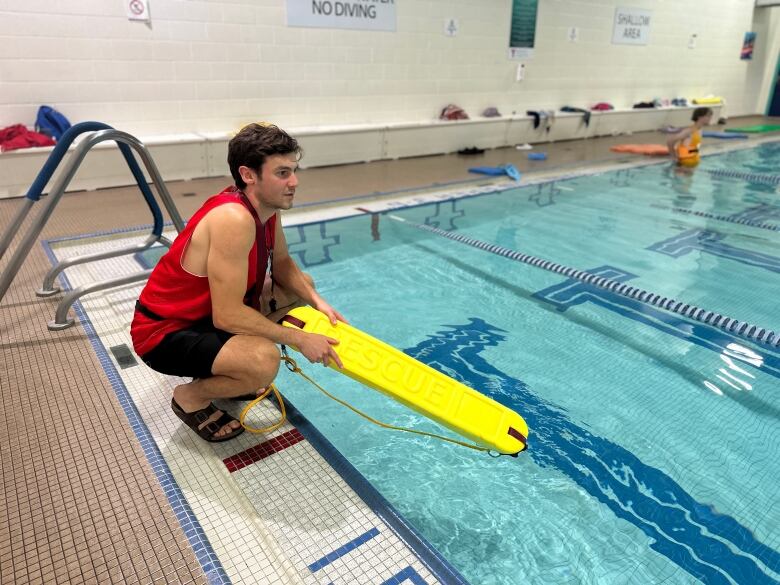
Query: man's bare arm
x,y
232,233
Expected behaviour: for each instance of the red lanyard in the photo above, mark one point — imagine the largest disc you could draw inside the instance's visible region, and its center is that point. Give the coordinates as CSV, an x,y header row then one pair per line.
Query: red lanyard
x,y
265,259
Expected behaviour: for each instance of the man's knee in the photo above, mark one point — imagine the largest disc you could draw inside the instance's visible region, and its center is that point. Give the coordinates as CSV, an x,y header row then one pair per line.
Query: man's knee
x,y
262,363
307,277
268,355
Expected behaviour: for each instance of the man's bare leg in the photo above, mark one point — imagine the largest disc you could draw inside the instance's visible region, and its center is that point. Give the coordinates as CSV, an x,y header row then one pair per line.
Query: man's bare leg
x,y
244,364
235,372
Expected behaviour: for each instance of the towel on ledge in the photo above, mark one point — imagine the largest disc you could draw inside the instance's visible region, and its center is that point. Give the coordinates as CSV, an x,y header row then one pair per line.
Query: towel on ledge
x,y
547,115
585,113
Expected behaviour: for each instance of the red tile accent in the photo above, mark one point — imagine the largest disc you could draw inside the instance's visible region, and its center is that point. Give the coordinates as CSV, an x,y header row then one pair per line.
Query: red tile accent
x,y
263,450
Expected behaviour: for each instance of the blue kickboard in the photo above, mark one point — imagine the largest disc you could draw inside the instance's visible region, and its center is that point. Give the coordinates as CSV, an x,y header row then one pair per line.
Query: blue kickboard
x,y
509,170
725,135
487,170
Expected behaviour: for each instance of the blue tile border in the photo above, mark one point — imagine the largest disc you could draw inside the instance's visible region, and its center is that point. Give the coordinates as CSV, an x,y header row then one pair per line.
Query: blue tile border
x,y
426,553
408,574
207,557
343,550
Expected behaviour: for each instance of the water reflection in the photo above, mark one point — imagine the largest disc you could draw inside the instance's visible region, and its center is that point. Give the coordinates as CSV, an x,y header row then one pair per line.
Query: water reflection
x,y
712,546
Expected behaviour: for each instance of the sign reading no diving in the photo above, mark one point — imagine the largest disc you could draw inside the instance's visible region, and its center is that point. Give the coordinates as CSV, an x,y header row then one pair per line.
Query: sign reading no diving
x,y
354,14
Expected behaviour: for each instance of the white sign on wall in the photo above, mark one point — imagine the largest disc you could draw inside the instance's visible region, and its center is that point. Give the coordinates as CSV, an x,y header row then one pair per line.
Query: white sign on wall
x,y
352,14
632,26
137,9
451,27
520,53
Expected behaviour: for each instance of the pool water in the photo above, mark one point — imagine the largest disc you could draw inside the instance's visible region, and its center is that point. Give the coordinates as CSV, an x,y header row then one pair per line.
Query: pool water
x,y
654,440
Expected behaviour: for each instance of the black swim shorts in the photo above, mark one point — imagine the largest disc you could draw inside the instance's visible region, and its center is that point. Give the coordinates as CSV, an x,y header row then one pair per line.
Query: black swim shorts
x,y
189,353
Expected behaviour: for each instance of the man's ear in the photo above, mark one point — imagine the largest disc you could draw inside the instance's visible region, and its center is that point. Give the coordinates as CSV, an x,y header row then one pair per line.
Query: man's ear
x,y
248,175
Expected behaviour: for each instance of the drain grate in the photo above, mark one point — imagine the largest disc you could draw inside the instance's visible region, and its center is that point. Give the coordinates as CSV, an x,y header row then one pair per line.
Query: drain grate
x,y
123,356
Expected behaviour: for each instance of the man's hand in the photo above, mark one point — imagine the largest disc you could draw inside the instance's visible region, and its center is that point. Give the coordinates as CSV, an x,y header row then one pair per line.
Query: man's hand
x,y
329,311
319,349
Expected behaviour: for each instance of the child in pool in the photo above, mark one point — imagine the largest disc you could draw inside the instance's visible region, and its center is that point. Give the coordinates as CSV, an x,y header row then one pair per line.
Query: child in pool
x,y
684,145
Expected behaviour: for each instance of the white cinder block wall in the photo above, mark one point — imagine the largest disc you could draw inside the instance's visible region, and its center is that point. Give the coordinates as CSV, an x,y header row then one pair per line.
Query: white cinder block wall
x,y
210,66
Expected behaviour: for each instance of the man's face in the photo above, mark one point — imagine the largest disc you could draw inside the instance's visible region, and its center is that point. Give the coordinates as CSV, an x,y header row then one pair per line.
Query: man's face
x,y
276,184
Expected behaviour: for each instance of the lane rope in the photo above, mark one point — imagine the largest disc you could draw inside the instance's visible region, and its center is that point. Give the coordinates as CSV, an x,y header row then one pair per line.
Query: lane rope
x,y
740,220
741,328
763,179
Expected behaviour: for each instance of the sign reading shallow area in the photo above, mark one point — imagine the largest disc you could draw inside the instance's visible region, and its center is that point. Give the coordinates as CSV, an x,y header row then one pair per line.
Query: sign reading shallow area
x,y
351,14
632,26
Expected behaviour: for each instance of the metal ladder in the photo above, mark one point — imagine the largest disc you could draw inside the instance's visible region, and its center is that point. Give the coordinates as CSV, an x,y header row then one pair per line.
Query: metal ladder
x,y
100,133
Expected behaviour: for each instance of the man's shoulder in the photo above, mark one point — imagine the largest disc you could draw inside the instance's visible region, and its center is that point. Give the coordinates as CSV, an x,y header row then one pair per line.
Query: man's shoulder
x,y
232,212
230,228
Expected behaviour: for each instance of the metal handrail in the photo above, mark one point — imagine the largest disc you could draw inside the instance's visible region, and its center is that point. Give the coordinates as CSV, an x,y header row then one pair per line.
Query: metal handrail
x,y
61,319
51,164
49,288
125,142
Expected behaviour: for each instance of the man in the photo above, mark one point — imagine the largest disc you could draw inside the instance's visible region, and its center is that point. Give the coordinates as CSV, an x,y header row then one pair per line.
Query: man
x,y
208,311
684,146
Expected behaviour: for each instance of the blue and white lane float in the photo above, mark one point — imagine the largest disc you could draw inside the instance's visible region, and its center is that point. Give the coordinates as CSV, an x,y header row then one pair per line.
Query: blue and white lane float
x,y
759,178
728,218
741,328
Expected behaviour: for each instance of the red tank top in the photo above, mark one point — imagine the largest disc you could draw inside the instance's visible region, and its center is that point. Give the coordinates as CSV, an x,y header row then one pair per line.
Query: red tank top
x,y
179,297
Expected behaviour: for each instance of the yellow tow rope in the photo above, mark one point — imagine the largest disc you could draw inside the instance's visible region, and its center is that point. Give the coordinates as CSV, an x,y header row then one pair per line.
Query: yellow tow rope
x,y
256,401
293,367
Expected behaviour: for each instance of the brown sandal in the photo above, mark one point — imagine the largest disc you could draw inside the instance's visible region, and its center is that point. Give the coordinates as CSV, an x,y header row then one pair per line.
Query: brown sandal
x,y
206,422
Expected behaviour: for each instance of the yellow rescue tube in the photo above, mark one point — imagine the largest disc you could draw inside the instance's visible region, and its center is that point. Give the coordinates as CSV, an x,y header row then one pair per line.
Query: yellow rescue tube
x,y
688,155
688,159
418,386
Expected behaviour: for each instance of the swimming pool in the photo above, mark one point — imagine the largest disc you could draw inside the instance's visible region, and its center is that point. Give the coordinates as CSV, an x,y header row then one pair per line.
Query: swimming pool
x,y
653,453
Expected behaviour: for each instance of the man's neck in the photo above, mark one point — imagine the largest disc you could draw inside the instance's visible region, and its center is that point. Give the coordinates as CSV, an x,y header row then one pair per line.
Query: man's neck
x,y
263,213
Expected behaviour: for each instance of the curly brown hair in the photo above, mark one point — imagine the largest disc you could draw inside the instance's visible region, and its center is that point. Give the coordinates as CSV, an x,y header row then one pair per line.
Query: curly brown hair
x,y
255,142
